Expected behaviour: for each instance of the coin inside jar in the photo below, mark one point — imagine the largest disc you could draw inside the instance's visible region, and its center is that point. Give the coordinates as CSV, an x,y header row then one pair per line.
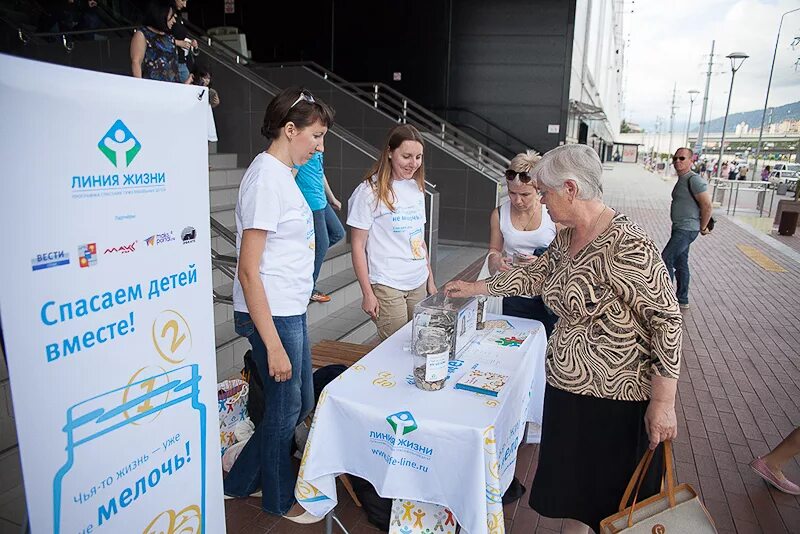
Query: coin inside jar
x,y
419,380
480,317
431,351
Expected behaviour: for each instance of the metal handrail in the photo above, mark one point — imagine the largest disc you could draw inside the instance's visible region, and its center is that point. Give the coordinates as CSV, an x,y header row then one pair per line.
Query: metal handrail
x,y
227,266
84,32
223,260
405,109
734,186
401,108
508,136
212,52
222,299
223,231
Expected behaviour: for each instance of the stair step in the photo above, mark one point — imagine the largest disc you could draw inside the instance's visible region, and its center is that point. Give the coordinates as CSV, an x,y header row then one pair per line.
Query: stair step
x,y
363,333
226,177
340,323
222,160
221,208
337,280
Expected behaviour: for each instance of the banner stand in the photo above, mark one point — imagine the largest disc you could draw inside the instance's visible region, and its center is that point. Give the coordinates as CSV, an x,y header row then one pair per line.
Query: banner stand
x,y
106,294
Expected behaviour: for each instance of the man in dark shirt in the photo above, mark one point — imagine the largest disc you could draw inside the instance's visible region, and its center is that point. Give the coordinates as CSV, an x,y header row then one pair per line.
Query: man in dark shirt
x,y
185,46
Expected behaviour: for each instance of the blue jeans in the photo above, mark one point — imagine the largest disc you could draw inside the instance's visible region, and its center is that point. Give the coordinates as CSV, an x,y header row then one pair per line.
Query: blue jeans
x,y
183,71
676,258
328,231
265,461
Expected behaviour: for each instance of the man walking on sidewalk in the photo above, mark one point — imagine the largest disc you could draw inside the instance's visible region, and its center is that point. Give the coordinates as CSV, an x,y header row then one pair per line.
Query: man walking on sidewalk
x,y
690,213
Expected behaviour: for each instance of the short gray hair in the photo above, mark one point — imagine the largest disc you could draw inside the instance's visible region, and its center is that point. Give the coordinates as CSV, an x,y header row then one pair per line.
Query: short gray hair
x,y
575,162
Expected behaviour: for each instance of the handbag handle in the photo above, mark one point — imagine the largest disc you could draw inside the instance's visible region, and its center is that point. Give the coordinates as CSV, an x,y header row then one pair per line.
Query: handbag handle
x,y
641,472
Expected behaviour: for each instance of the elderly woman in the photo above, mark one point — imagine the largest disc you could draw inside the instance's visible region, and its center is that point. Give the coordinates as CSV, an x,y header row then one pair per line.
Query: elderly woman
x,y
613,360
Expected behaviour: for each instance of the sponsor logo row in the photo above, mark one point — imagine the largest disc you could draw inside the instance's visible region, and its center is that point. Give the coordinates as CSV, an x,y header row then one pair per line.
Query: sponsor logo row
x,y
88,253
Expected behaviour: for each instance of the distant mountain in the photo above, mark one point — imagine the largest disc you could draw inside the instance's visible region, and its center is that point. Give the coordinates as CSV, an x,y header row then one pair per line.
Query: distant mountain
x,y
753,118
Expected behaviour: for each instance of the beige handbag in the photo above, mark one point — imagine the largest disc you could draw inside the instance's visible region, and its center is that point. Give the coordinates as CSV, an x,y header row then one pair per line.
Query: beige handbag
x,y
677,509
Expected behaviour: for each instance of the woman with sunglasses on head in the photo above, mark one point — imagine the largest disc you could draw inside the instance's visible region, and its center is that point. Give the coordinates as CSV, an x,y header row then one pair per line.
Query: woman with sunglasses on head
x,y
521,229
275,251
387,215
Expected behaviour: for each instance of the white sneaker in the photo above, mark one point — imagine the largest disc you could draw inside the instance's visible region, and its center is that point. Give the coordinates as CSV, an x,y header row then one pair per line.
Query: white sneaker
x,y
684,305
256,494
305,518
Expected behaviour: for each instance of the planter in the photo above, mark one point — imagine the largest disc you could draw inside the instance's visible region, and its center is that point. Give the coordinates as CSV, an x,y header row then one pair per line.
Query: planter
x,y
784,206
788,223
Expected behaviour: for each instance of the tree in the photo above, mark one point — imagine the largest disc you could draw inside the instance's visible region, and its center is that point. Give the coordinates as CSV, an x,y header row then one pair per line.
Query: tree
x,y
624,128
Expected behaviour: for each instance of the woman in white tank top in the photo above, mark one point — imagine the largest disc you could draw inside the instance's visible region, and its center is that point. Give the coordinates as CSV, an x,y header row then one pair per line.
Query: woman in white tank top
x,y
520,231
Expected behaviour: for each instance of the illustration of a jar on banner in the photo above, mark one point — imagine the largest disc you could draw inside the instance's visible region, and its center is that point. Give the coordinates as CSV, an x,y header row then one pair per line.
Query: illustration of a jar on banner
x,y
135,458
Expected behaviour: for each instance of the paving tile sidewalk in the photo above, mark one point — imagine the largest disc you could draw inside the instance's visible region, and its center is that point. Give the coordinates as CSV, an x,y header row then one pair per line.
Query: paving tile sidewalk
x,y
739,391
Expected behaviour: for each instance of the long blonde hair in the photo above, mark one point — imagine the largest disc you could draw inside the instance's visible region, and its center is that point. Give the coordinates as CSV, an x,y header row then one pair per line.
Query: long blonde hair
x,y
382,169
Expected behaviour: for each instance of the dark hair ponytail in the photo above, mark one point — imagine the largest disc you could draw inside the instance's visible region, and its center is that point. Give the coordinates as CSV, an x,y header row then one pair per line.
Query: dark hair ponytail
x,y
282,110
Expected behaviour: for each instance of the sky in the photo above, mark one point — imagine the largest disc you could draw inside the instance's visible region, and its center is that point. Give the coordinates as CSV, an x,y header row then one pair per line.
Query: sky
x,y
671,45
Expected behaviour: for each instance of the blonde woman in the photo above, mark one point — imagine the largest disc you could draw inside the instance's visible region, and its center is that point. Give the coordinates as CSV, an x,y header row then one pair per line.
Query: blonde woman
x,y
521,229
387,215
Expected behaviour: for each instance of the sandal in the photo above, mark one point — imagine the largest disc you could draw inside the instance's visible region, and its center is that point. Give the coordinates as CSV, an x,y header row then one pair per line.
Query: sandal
x,y
319,296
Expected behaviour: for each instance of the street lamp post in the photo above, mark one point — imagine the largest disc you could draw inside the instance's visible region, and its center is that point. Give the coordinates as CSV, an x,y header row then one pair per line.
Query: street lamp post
x,y
692,95
737,58
769,86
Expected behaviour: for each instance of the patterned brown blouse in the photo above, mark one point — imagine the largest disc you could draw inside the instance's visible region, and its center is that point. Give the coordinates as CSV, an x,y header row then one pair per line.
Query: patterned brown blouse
x,y
619,321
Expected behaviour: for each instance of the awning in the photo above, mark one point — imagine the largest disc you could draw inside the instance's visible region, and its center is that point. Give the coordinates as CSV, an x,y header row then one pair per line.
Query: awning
x,y
587,111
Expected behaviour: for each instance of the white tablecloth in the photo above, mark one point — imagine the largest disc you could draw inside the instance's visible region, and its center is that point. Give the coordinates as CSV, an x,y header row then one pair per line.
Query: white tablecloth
x,y
449,447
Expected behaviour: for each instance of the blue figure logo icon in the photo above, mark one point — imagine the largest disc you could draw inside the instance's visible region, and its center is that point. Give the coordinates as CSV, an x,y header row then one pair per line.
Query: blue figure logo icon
x,y
119,145
402,423
115,467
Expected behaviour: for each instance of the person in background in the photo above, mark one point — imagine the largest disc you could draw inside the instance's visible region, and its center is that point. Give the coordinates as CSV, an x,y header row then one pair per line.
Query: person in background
x,y
769,467
765,173
723,171
521,228
743,170
202,77
275,252
386,213
690,212
328,230
613,361
153,54
186,48
733,170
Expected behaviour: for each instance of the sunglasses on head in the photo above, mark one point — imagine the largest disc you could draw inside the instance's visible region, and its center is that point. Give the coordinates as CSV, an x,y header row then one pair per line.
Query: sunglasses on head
x,y
523,177
304,95
678,158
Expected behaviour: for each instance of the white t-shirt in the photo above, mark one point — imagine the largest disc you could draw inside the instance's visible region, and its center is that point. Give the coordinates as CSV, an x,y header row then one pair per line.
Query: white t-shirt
x,y
525,241
270,200
396,244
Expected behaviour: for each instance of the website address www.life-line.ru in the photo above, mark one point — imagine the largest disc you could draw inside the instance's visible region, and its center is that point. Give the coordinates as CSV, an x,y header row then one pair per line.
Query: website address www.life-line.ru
x,y
402,462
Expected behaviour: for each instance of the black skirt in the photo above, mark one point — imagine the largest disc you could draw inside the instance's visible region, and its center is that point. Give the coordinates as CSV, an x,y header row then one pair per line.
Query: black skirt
x,y
590,448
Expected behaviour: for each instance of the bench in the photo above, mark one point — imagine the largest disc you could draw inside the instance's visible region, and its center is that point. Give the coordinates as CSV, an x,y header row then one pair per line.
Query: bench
x,y
328,352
